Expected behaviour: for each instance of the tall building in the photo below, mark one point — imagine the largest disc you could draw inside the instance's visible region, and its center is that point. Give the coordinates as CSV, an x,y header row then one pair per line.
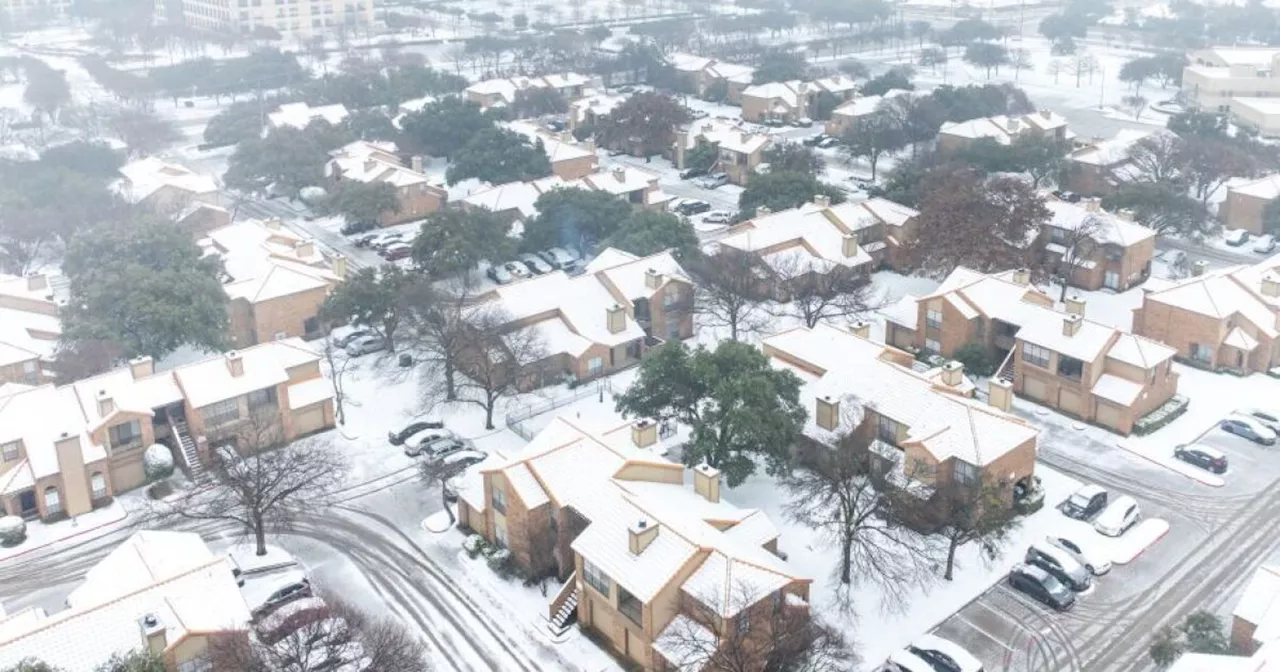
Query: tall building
x,y
289,17
21,12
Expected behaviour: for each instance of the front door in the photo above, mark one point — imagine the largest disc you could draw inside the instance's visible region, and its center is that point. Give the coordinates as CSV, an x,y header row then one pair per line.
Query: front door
x,y
1111,280
27,503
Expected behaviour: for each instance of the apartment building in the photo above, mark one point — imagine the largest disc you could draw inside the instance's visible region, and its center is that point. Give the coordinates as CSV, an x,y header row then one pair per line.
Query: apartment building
x,y
377,162
276,280
789,101
1063,360
957,135
854,113
300,115
161,592
164,186
1227,319
1246,203
288,17
589,111
1097,168
65,450
516,200
822,238
741,151
29,329
503,92
647,559
32,12
698,74
570,159
601,321
1262,115
1095,248
923,429
1217,76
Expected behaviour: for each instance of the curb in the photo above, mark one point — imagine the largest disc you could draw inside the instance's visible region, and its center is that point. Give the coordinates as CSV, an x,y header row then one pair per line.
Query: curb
x,y
1148,546
1221,482
428,530
62,539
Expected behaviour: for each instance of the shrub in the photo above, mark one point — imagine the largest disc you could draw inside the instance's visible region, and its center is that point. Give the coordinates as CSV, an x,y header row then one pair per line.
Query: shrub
x,y
157,462
1162,416
13,531
474,545
976,359
500,562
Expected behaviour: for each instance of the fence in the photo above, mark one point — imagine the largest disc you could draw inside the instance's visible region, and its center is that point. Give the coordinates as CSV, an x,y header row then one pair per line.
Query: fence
x,y
515,418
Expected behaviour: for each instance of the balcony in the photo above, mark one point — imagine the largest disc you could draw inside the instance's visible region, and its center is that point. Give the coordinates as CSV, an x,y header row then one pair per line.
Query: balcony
x,y
629,606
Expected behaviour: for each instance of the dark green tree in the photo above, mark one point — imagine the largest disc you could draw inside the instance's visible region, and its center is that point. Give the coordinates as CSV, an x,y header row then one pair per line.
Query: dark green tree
x,y
780,66
1193,122
91,159
794,157
371,298
1200,632
700,159
574,218
454,241
288,158
142,282
646,233
646,121
498,156
537,102
986,55
879,134
824,104
237,123
361,204
976,358
1056,27
893,78
1138,71
371,124
47,89
1162,206
968,31
783,190
134,661
443,127
141,131
32,665
741,409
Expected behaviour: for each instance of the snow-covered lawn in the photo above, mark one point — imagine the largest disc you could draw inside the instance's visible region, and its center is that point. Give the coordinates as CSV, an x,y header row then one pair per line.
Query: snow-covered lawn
x,y
81,528
245,555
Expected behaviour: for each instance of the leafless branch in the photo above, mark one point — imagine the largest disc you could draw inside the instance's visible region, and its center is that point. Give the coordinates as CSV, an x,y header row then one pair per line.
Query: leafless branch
x,y
730,291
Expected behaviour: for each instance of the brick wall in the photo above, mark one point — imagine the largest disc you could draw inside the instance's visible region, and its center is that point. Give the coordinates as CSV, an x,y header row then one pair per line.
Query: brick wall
x,y
416,202
1242,211
1178,328
287,315
574,169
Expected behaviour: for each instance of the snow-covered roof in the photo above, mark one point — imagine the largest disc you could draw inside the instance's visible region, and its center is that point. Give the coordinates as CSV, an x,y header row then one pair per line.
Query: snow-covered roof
x,y
599,104
1264,187
1114,388
508,87
726,135
581,304
519,196
904,311
1266,106
1103,227
1260,603
1140,351
791,94
142,560
29,323
620,179
299,115
199,600
1228,56
732,72
1001,128
686,644
1113,150
263,365
366,161
690,62
144,177
265,261
864,105
836,84
838,364
1231,294
558,148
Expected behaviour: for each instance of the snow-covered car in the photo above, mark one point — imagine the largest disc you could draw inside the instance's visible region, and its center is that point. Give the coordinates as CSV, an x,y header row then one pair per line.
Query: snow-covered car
x,y
718,217
1235,237
943,654
1041,586
1267,417
557,257
828,142
1085,502
1060,564
396,251
518,270
804,122
1084,553
905,661
463,459
499,275
1264,244
535,263
713,181
289,586
289,617
814,140
411,431
386,240
1247,427
365,345
427,442
344,341
1205,457
1118,517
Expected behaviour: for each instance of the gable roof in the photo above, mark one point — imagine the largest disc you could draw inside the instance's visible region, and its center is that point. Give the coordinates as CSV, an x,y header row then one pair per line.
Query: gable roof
x,y
1112,151
1264,187
144,177
265,261
1002,128
299,115
1102,226
1227,294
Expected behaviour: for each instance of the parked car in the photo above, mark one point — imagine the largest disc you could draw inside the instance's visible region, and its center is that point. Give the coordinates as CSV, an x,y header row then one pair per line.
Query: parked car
x,y
1265,244
714,181
289,617
557,257
535,263
690,173
428,442
1086,502
1235,237
693,207
943,655
1118,517
412,429
828,142
905,661
518,270
718,217
804,122
1040,586
1245,426
463,458
365,345
1060,564
1085,554
291,586
397,251
1068,196
814,140
1204,457
386,240
499,275
1269,419
366,240
344,341
555,125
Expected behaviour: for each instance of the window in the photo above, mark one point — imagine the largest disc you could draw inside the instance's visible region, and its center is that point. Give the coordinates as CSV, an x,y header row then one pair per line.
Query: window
x,y
630,607
499,500
52,503
887,430
98,483
30,372
126,435
742,624
932,345
594,366
1057,235
263,397
500,536
964,473
200,664
221,413
1201,353
933,319
11,451
1034,354
1070,367
596,578
671,298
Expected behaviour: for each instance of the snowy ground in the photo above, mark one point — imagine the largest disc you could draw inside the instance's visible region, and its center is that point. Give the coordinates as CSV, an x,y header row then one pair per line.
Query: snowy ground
x,y
42,536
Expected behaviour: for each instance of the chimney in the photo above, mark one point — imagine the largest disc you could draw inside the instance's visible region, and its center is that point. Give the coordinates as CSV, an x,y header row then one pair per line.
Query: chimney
x,y
565,137
616,319
849,245
1071,324
339,266
1093,204
304,248
37,282
861,329
106,405
369,164
822,200
141,367
746,137
1271,284
706,482
1022,277
1046,114
235,364
153,634
828,413
640,534
652,279
1198,268
1013,124
272,224
415,163
590,144
953,373
620,173
763,210
1075,305
644,433
1000,394
1125,213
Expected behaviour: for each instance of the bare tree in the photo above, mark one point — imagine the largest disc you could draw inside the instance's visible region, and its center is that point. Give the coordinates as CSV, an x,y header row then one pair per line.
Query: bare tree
x,y
337,636
1083,64
337,361
842,496
1079,245
497,360
260,485
434,473
436,318
968,513
1159,157
729,290
741,630
814,294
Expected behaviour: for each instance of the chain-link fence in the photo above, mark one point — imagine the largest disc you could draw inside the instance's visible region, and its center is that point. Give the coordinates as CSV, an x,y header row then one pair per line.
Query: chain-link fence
x,y
516,418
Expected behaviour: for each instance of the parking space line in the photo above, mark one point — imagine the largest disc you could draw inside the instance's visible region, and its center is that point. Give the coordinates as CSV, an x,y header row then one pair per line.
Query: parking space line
x,y
984,632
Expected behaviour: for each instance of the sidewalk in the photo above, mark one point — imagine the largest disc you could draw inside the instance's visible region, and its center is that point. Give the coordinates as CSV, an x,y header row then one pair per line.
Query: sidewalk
x,y
81,528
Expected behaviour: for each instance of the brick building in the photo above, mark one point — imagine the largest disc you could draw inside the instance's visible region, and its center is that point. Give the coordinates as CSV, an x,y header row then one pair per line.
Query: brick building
x,y
502,92
740,151
1004,130
646,559
1097,168
377,162
29,329
165,187
516,200
1246,203
852,114
699,74
1097,249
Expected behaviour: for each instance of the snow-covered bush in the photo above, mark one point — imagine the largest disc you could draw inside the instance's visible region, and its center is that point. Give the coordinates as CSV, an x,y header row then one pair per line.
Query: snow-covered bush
x,y
474,545
500,563
157,462
13,531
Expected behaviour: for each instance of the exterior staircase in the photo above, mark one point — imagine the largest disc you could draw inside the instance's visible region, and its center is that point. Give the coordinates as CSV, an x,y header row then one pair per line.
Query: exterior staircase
x,y
563,610
1006,370
187,446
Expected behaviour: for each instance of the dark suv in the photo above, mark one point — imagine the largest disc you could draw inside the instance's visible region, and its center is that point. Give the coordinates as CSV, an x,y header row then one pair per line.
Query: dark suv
x,y
1203,457
398,438
1085,503
1040,586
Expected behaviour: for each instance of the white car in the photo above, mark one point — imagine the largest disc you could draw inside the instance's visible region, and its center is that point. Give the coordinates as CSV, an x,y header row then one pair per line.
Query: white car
x,y
1083,553
365,345
1267,417
1120,515
718,217
943,654
1264,244
1235,237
